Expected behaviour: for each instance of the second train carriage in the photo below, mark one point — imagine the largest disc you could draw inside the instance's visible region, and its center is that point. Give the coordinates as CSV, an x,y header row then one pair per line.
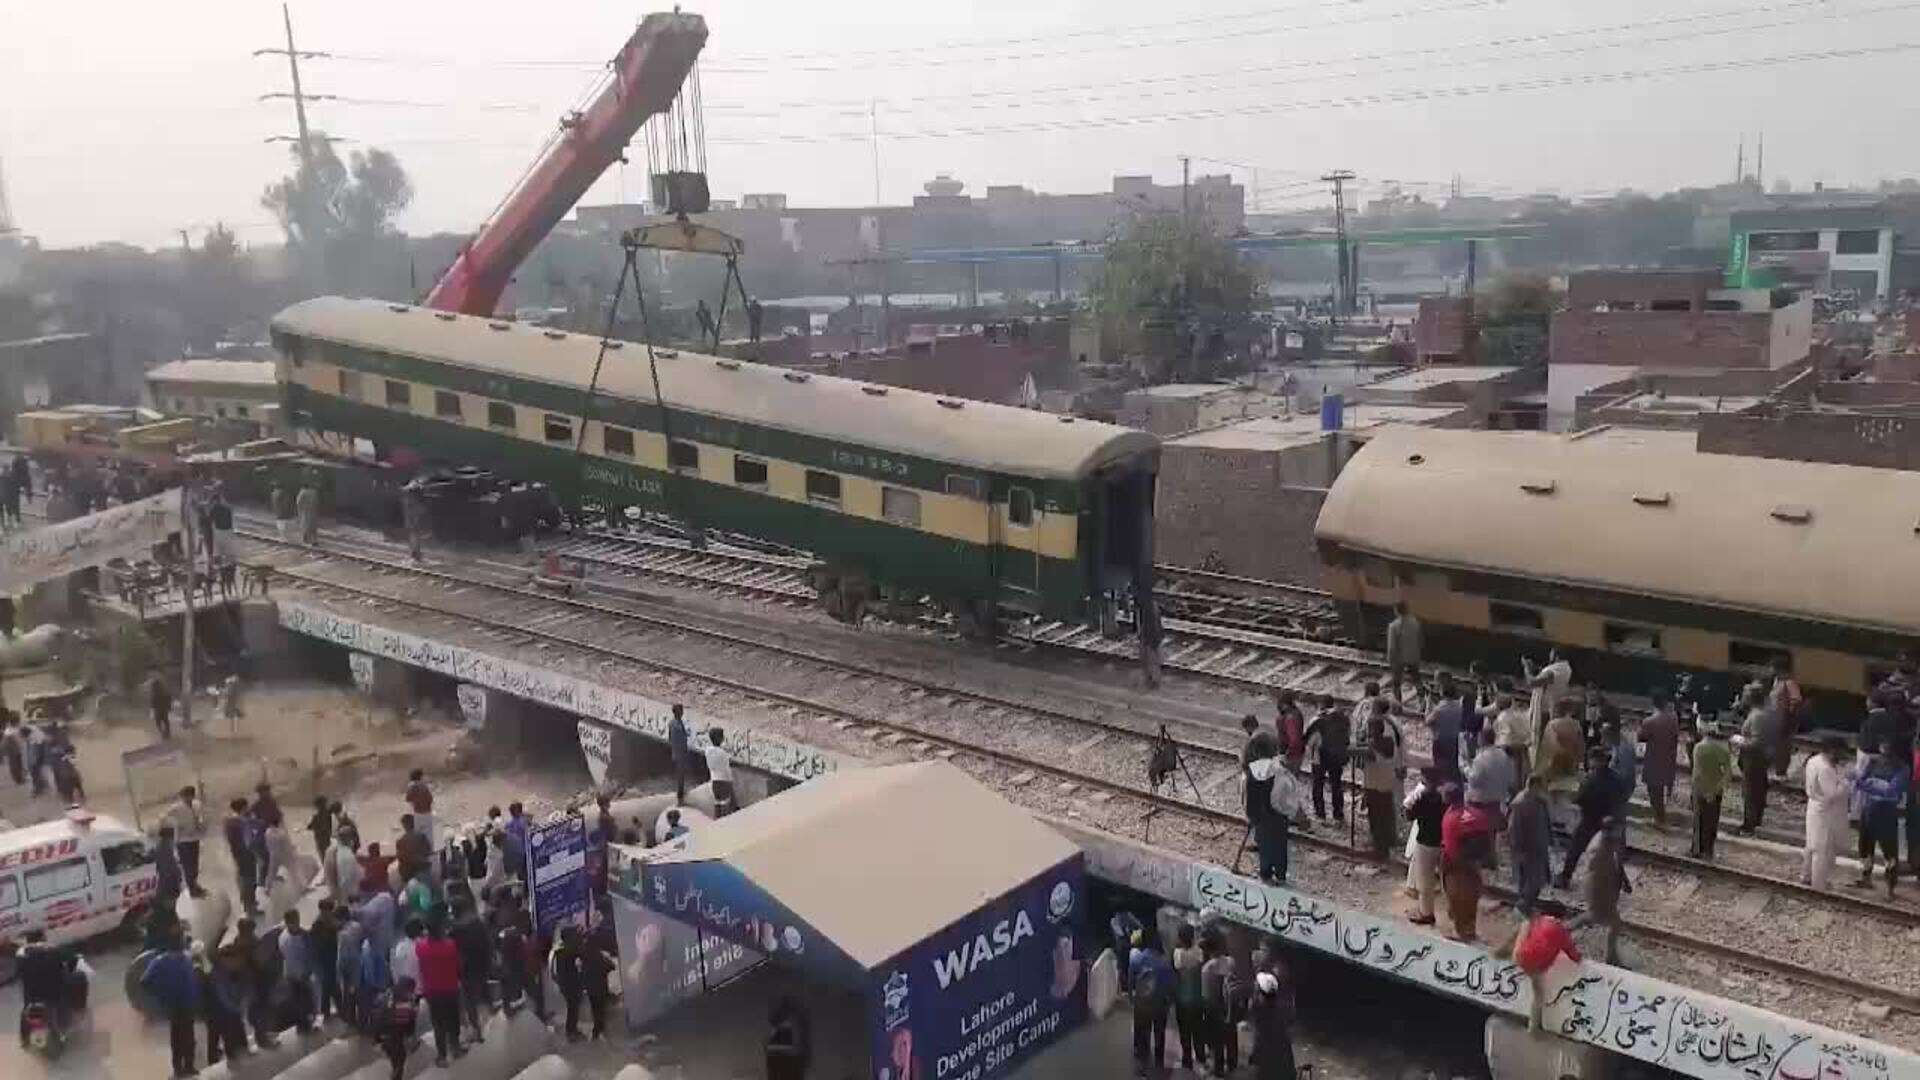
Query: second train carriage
x,y
1634,552
981,506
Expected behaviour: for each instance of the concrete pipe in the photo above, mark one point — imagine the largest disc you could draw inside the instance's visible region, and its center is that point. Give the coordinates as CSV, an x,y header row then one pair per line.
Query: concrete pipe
x,y
266,1064
332,1061
35,648
638,813
1515,1053
207,917
551,1067
691,817
1103,984
512,1043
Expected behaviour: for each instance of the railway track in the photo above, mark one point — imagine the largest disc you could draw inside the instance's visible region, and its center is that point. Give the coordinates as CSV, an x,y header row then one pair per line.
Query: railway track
x,y
480,596
1253,642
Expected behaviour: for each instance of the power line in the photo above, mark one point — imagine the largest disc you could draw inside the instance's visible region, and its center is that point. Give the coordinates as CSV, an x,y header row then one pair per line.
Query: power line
x,y
1358,100
304,142
913,58
1810,10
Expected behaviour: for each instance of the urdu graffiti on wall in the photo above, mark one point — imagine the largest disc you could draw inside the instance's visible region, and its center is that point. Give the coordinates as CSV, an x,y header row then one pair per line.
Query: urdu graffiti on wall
x,y
30,557
1654,1021
619,708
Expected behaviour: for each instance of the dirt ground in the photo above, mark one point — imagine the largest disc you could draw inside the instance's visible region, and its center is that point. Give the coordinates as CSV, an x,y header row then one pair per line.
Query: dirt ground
x,y
305,737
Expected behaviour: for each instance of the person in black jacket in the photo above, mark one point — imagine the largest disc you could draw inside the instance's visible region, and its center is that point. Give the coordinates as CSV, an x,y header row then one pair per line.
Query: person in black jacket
x,y
1598,798
470,936
567,977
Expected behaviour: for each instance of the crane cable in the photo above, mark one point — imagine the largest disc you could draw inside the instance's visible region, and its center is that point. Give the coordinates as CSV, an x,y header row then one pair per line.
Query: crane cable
x,y
630,270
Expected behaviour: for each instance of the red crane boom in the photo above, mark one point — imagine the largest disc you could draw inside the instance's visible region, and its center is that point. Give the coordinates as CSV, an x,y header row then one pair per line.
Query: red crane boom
x,y
646,76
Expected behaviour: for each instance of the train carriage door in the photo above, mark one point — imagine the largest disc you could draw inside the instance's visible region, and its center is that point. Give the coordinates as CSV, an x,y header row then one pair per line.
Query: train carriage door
x,y
1017,540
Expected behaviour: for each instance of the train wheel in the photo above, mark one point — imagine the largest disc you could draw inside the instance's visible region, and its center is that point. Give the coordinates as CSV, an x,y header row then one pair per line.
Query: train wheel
x,y
974,619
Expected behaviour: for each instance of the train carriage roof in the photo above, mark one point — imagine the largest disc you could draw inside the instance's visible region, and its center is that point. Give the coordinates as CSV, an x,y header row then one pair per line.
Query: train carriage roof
x,y
990,437
1641,513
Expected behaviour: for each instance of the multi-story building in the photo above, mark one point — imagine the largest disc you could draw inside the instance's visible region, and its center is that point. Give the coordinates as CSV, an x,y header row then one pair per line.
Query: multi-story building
x,y
1830,242
1620,323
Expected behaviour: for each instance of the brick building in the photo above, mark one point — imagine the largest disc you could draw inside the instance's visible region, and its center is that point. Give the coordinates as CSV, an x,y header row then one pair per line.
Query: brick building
x,y
1439,330
1243,497
1617,324
1174,408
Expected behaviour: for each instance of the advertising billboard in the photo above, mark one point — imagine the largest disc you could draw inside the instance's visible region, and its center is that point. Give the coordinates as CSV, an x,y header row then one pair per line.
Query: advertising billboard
x,y
557,870
976,999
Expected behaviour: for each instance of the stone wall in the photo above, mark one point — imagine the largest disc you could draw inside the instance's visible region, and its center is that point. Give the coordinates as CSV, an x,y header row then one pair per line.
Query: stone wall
x,y
1662,339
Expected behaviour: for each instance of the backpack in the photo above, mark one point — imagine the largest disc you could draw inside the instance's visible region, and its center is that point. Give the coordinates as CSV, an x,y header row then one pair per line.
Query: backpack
x,y
1146,989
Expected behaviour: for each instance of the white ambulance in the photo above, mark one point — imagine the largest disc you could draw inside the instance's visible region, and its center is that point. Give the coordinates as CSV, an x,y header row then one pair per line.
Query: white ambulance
x,y
75,877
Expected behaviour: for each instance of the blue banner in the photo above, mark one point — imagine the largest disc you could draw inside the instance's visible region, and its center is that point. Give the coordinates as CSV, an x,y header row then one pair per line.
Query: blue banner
x,y
723,903
557,872
976,999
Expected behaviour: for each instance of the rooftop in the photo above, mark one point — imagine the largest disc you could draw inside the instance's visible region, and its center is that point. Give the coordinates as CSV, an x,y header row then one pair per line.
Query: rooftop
x,y
1687,403
1429,377
248,372
1191,390
1300,429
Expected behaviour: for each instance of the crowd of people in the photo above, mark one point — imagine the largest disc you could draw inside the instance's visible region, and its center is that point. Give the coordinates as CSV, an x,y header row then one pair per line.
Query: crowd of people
x,y
421,924
1543,763
1207,996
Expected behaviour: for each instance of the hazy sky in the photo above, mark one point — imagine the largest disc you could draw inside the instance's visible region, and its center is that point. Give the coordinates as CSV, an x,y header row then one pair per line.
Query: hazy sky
x,y
129,120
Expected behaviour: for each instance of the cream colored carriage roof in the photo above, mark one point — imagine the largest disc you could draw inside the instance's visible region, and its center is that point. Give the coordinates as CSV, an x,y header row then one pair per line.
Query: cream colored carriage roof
x,y
994,438
209,370
1641,513
879,859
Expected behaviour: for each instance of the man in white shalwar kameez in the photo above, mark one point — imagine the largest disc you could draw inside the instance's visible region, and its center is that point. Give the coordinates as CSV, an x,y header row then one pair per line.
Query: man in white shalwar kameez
x,y
1828,789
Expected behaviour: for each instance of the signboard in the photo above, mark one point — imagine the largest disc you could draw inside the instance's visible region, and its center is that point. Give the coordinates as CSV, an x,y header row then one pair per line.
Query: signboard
x,y
473,705
1674,1027
557,870
360,665
976,999
664,962
596,743
720,902
622,709
118,532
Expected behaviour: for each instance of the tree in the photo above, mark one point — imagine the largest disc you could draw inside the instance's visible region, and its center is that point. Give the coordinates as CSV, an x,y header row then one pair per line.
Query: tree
x,y
339,215
1167,282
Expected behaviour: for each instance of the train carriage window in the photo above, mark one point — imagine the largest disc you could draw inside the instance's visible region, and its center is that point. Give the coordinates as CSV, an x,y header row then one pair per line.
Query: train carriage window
x,y
1628,638
1516,618
617,441
446,405
1019,507
220,411
683,456
349,386
559,429
399,394
823,487
900,505
1379,573
967,487
749,472
1757,657
9,893
240,411
500,415
59,879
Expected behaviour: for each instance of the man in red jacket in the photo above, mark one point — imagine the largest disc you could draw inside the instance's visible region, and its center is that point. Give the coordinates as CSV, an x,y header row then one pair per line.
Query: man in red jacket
x,y
440,985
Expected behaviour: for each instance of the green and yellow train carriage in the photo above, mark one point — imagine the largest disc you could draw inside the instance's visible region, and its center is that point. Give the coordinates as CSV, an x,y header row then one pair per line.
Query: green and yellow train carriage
x,y
981,506
1636,554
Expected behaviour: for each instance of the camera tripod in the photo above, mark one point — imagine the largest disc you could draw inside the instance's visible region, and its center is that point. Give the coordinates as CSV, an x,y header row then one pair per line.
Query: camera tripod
x,y
1164,761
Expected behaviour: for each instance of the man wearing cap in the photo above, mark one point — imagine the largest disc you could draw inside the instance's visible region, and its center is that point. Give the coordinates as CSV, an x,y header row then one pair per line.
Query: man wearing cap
x,y
1712,765
1272,1019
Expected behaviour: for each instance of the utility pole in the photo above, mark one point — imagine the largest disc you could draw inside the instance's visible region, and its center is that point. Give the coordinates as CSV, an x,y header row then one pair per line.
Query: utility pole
x,y
188,528
1186,169
304,140
1343,298
873,122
